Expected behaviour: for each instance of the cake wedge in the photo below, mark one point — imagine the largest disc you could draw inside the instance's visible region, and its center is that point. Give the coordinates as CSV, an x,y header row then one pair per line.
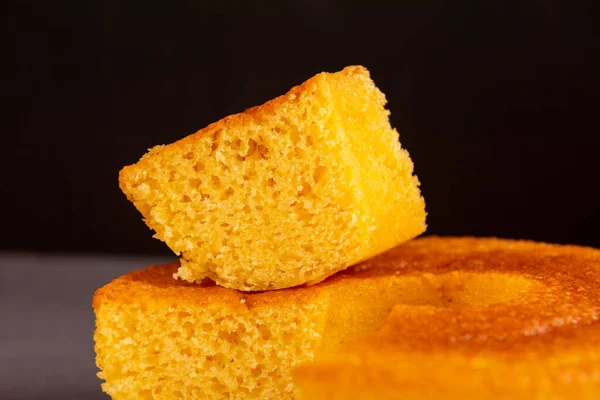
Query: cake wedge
x,y
285,193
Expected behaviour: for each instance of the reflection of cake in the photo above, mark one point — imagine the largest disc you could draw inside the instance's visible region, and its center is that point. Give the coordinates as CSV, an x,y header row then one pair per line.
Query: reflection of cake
x,y
285,193
434,318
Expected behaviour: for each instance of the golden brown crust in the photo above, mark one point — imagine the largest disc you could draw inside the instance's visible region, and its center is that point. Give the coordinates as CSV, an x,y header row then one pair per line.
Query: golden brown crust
x,y
156,285
127,174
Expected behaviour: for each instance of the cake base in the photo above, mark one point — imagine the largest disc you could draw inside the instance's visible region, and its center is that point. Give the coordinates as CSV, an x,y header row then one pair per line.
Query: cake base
x,y
442,318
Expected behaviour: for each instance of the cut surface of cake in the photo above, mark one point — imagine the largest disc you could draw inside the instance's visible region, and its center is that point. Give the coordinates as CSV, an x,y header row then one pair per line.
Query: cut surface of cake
x,y
285,193
435,318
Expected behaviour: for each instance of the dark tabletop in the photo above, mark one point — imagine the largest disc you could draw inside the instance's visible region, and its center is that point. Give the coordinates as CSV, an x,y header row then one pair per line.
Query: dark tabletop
x,y
47,323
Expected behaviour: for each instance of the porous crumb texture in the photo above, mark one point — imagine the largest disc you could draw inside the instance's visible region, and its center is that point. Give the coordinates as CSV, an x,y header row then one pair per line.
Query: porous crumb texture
x,y
285,193
160,340
435,318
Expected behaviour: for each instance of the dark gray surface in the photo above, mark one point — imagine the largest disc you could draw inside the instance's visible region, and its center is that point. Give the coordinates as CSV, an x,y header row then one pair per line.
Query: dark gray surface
x,y
47,323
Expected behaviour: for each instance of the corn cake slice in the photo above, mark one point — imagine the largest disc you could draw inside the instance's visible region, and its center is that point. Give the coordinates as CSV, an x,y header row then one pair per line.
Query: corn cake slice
x,y
285,193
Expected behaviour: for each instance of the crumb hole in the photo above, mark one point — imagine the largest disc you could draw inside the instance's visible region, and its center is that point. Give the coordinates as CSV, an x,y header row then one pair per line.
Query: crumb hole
x,y
227,194
306,190
288,337
262,151
216,181
199,166
218,387
257,371
189,155
265,333
251,147
295,135
185,352
188,327
302,214
308,248
218,358
215,142
230,337
319,173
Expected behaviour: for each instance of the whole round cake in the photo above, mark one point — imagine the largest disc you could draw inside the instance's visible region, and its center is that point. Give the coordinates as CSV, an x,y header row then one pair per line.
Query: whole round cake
x,y
435,318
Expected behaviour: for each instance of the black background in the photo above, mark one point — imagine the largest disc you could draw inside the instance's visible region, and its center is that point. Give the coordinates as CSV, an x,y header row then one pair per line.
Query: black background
x,y
496,101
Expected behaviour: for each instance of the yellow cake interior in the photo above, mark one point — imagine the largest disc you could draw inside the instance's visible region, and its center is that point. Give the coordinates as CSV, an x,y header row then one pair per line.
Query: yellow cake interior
x,y
285,193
